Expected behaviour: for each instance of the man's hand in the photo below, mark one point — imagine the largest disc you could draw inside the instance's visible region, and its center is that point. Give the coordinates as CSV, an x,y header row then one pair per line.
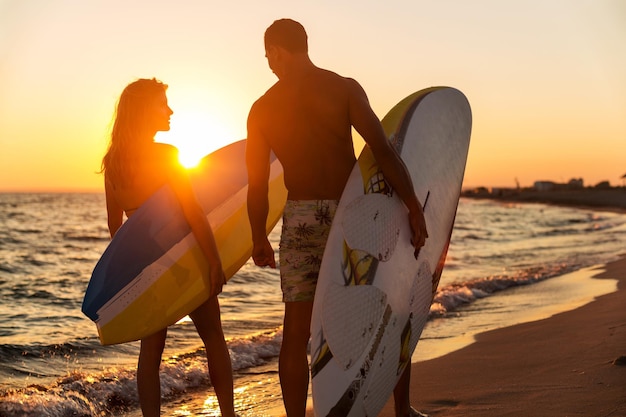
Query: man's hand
x,y
418,229
263,254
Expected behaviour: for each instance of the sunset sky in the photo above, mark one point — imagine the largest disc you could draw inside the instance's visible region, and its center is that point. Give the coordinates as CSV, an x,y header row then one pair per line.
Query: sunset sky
x,y
546,79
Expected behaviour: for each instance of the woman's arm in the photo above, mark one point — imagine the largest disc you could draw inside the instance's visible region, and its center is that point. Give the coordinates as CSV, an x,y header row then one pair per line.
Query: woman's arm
x,y
115,213
200,227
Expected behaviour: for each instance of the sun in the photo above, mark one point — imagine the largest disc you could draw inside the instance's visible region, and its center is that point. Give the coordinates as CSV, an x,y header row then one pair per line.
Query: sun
x,y
195,135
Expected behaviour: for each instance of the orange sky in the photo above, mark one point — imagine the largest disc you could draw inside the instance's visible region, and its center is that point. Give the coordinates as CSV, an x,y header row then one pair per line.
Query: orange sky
x,y
546,79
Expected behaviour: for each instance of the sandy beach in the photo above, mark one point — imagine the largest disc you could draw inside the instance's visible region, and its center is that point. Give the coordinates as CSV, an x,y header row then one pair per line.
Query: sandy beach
x,y
567,365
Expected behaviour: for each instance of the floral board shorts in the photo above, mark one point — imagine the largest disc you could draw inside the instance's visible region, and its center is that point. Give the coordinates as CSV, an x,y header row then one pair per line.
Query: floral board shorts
x,y
306,224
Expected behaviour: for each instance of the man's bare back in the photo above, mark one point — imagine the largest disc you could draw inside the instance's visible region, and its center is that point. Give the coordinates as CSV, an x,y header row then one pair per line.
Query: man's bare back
x,y
305,119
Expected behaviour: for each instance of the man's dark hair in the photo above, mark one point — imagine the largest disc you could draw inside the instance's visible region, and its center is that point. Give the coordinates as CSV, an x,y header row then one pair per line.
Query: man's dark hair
x,y
288,34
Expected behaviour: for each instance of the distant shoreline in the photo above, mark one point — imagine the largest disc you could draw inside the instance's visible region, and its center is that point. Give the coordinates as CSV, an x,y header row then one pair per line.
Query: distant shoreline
x,y
608,199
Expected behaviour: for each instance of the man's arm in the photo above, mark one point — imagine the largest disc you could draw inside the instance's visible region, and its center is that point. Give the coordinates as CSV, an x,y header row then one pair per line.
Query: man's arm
x,y
367,124
258,165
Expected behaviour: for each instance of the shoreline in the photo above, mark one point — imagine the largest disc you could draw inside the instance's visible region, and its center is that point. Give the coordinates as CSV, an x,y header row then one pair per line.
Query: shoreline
x,y
605,199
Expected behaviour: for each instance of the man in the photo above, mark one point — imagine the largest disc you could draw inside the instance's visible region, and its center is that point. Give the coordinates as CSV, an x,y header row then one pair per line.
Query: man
x,y
306,118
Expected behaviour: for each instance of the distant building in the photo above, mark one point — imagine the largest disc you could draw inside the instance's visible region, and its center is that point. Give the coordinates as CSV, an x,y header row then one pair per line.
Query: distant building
x,y
573,184
545,185
478,192
504,191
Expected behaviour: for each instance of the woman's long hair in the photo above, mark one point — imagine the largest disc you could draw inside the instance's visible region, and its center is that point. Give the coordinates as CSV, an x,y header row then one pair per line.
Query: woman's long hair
x,y
132,128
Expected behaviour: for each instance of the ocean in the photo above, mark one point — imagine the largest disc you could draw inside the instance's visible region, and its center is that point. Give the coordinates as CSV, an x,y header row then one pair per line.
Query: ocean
x,y
507,263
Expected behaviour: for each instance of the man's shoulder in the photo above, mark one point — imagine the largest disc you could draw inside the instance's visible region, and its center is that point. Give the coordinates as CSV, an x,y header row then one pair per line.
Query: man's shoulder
x,y
331,78
334,75
267,98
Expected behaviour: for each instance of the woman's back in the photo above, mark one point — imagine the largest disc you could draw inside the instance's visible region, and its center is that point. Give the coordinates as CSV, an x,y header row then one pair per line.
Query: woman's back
x,y
156,165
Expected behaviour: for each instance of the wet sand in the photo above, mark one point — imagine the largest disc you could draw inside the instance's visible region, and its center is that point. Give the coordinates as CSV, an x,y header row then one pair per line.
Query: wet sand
x,y
571,364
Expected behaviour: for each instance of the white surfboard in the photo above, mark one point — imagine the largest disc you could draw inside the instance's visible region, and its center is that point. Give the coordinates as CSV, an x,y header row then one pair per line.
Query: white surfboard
x,y
373,297
153,273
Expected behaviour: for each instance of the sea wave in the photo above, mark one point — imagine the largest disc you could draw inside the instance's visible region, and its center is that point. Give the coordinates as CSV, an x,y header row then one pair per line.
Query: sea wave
x,y
114,390
452,296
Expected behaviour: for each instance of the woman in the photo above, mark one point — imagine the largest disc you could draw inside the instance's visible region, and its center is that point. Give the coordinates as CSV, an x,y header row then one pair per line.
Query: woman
x,y
134,168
